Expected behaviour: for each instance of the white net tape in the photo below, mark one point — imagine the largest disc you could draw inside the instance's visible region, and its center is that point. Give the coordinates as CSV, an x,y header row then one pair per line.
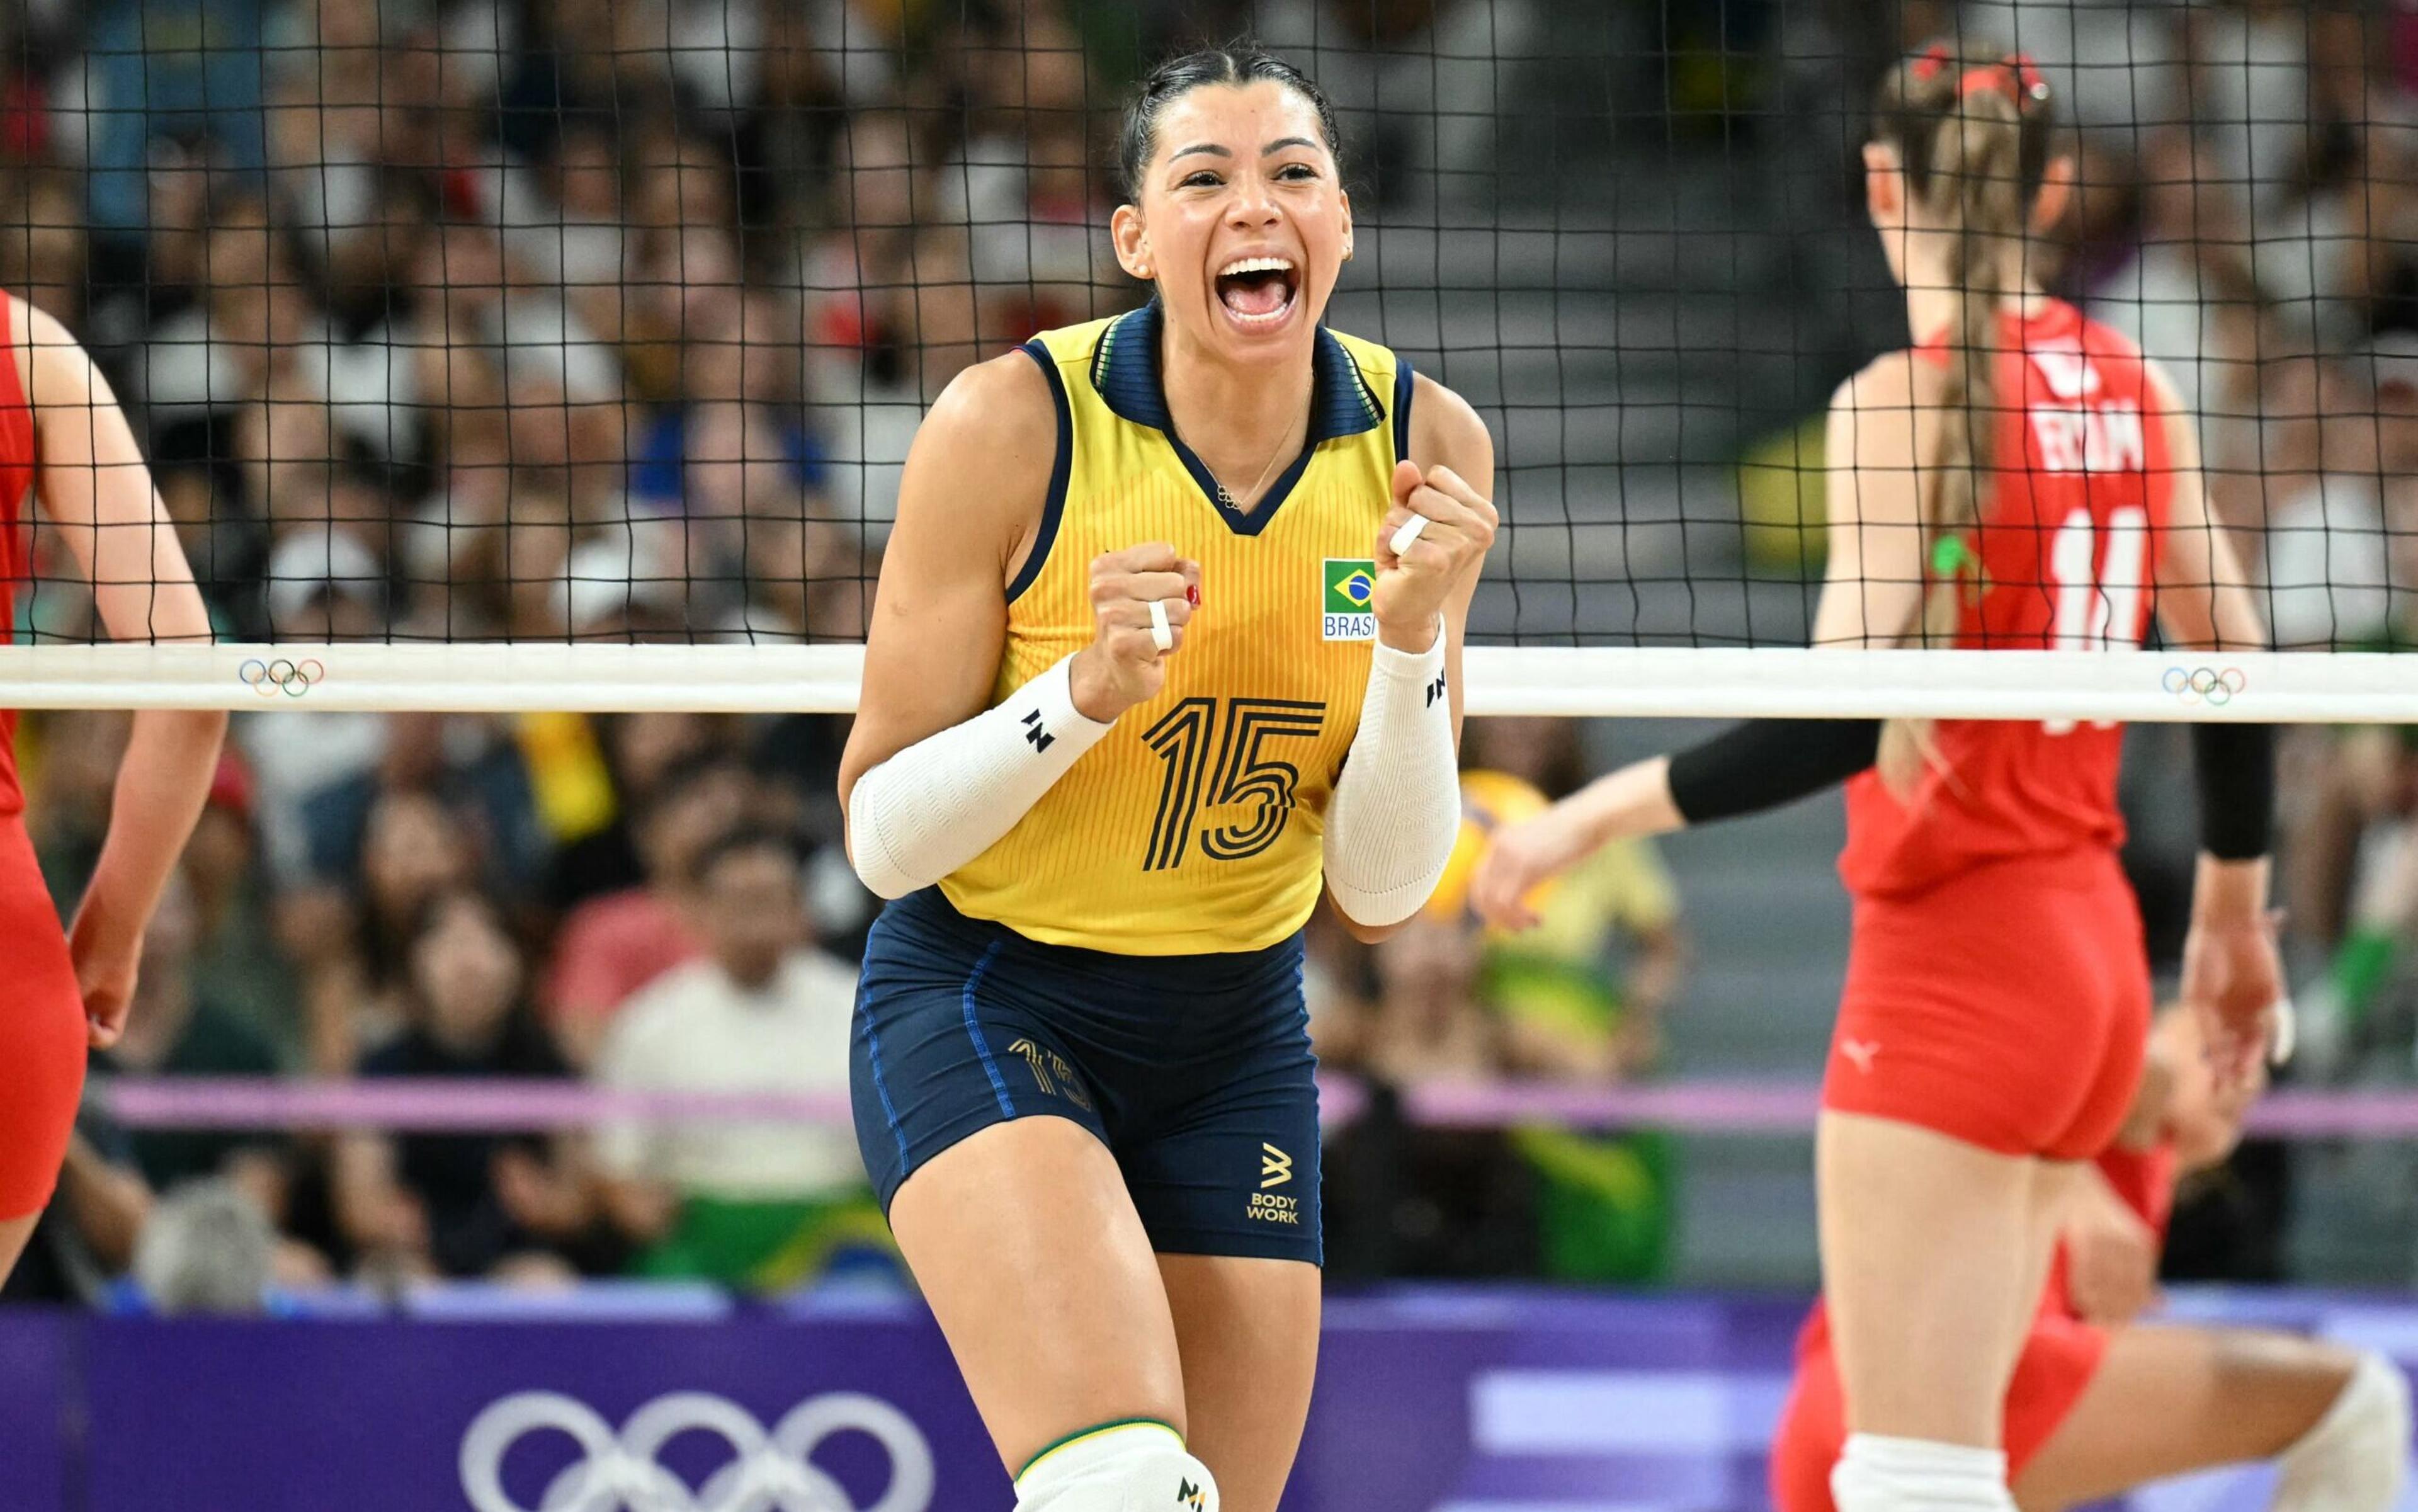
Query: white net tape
x,y
2144,686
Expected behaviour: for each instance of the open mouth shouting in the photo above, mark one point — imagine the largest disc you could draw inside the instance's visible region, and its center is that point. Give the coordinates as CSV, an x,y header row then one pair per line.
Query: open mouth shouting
x,y
1257,293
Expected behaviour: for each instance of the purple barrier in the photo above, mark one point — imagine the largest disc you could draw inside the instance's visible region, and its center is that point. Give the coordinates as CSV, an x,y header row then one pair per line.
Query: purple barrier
x,y
1720,1106
1450,1402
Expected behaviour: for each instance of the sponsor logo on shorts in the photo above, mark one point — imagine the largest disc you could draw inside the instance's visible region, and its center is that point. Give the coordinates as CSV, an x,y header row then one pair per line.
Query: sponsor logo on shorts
x,y
1276,1170
1862,1053
1276,1166
1348,594
1267,1208
1051,1073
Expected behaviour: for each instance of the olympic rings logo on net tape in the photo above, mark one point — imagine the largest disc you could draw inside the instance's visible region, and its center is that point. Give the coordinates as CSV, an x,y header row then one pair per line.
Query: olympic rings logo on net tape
x,y
291,678
767,1472
2214,686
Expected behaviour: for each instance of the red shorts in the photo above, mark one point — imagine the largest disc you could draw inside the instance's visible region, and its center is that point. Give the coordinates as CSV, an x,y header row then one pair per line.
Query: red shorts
x,y
2058,1362
2008,1007
41,1030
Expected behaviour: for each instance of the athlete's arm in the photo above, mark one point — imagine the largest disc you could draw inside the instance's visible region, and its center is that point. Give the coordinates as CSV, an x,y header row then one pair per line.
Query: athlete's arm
x,y
1872,588
1396,806
2111,1253
95,492
1871,592
2145,1121
1446,433
933,774
2231,972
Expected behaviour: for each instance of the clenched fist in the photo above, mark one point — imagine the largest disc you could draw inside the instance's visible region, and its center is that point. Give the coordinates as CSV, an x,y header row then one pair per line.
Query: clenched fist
x,y
1125,664
1411,587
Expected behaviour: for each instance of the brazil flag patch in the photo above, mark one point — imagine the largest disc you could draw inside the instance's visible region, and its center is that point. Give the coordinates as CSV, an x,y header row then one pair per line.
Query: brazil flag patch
x,y
1348,591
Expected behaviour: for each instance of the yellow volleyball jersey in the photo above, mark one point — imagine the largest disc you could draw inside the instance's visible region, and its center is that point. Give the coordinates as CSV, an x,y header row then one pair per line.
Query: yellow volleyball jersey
x,y
1194,825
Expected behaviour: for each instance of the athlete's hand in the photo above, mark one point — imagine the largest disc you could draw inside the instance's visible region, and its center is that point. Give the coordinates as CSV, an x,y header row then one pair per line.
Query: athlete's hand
x,y
105,969
1519,856
2111,1258
1411,587
2233,978
1124,666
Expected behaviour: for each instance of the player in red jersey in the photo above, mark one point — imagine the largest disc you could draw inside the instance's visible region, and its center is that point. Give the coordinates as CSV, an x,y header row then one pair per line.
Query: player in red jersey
x,y
2020,480
65,445
2099,1404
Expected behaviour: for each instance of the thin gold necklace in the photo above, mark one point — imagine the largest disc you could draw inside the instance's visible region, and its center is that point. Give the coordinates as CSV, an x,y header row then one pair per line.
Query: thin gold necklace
x,y
1225,495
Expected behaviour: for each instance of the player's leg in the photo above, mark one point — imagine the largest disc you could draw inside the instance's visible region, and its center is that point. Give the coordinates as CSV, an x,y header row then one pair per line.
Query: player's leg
x,y
1989,1036
1226,1177
983,1138
2169,1399
1247,1332
1027,1248
1927,1252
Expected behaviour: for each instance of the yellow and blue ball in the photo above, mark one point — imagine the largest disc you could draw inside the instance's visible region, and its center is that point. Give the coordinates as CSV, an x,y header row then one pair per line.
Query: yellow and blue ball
x,y
1488,801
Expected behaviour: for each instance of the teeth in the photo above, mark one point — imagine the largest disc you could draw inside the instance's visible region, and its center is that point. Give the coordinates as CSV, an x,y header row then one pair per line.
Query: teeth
x,y
1256,265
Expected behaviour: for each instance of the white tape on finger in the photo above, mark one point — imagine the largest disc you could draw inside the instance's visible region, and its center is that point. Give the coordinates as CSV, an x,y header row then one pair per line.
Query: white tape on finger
x,y
1162,634
2283,1030
1407,533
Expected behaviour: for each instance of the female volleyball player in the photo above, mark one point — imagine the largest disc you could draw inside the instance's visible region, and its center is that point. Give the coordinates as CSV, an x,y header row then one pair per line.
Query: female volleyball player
x,y
65,446
2095,1407
1153,580
2020,480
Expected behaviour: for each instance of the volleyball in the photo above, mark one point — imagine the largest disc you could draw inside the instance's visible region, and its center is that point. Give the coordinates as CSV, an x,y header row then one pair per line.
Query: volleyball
x,y
1488,801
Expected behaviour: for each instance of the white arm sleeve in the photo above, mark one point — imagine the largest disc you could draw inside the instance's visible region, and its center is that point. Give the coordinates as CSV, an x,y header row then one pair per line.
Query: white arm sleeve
x,y
1397,807
949,797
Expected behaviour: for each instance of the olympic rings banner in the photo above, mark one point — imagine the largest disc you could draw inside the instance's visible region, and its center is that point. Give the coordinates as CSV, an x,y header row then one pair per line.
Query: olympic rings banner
x,y
1465,1400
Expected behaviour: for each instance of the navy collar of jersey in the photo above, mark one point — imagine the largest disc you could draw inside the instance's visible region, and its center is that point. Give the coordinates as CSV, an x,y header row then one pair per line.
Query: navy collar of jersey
x,y
1125,375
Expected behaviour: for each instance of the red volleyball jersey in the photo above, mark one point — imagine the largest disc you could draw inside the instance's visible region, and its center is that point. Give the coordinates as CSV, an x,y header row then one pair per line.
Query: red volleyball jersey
x,y
16,517
2063,557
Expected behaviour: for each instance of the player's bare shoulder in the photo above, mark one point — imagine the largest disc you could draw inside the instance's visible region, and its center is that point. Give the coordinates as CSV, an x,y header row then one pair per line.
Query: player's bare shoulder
x,y
981,464
1890,382
1447,430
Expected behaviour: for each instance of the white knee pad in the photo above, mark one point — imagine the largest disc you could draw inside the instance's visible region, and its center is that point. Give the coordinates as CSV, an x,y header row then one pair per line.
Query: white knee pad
x,y
1132,1467
2355,1458
1884,1475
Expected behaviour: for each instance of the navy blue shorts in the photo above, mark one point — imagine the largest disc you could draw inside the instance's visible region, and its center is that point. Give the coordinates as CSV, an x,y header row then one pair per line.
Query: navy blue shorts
x,y
1194,1070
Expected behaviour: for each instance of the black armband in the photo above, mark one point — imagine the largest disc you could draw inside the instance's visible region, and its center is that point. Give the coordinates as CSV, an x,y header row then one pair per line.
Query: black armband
x,y
1766,762
2236,766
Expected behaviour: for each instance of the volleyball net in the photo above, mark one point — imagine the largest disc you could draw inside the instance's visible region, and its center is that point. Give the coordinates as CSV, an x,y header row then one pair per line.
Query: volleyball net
x,y
492,355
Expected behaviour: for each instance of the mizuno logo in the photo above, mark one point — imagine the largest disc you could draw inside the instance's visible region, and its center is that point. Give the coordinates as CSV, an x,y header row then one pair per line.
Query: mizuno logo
x,y
1035,733
1276,1166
